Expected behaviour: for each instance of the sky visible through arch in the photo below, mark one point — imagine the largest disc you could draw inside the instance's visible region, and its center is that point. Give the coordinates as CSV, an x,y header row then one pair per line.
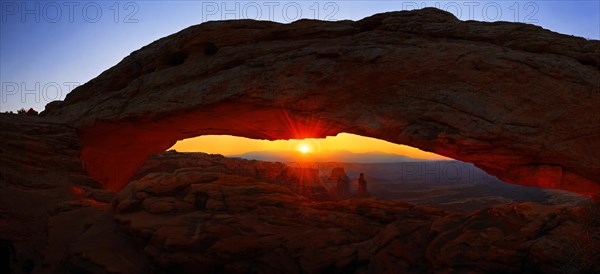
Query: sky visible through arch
x,y
47,48
342,147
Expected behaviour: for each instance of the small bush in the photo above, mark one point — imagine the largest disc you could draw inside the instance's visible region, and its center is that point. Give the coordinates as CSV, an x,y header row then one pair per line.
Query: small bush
x,y
31,111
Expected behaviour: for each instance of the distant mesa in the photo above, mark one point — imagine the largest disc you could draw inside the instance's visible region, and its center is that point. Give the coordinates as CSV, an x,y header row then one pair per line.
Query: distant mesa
x,y
329,156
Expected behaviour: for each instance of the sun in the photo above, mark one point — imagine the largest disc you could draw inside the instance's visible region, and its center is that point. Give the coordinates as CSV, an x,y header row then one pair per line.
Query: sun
x,y
304,149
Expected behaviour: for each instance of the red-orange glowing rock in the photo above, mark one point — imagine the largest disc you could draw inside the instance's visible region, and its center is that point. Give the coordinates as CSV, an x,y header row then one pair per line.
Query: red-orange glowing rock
x,y
519,101
78,191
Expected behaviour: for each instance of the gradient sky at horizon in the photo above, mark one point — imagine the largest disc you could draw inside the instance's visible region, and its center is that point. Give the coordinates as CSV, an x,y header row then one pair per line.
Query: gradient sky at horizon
x,y
49,47
233,145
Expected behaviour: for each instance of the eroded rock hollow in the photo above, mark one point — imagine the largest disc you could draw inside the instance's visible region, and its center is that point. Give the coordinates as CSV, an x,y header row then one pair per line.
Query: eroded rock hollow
x,y
519,101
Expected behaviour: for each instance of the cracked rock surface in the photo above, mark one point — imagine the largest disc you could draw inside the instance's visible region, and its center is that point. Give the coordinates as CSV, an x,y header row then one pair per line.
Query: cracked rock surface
x,y
202,219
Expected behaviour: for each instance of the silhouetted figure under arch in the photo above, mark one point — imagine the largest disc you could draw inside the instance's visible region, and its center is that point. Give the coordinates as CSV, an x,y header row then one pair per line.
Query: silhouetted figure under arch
x,y
362,187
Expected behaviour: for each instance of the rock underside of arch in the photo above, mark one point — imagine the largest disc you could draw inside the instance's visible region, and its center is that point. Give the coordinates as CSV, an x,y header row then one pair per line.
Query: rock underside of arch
x,y
517,100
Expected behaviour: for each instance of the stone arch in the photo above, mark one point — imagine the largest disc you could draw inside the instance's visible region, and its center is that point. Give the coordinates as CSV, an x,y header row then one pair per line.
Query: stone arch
x,y
505,96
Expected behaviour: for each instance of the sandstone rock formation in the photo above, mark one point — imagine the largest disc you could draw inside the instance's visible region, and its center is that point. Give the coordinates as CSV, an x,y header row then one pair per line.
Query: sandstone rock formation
x,y
339,183
41,175
303,180
187,214
201,220
517,100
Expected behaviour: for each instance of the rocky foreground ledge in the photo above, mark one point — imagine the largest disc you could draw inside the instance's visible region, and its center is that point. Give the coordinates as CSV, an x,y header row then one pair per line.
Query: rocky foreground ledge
x,y
208,219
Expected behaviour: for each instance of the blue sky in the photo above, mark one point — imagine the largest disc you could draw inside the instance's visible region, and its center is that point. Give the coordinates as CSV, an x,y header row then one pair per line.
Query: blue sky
x,y
49,47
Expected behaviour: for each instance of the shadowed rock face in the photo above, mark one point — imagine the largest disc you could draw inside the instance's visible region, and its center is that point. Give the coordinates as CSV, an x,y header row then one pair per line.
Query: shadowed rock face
x,y
41,175
517,100
204,219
